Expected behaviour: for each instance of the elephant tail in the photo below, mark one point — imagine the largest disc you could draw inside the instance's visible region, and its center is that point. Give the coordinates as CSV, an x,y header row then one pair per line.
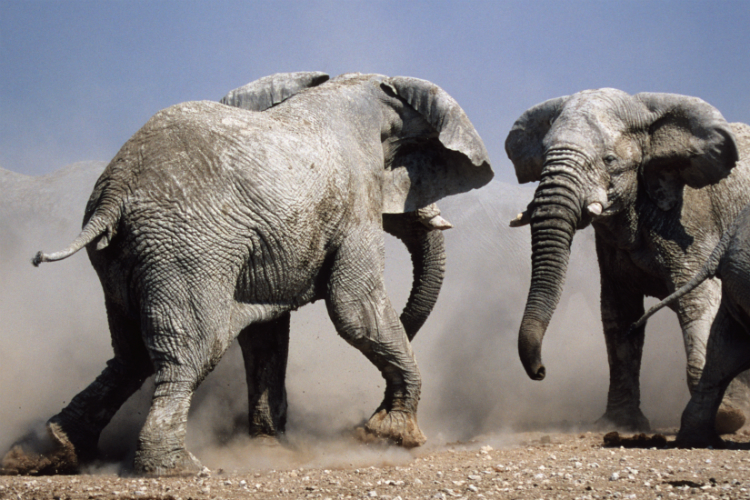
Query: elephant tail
x,y
709,270
101,225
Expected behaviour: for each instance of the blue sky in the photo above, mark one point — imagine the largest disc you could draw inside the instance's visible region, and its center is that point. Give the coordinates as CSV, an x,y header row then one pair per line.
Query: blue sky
x,y
78,78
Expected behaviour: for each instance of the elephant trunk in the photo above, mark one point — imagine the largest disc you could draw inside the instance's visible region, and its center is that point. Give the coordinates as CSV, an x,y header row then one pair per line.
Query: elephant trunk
x,y
427,249
556,210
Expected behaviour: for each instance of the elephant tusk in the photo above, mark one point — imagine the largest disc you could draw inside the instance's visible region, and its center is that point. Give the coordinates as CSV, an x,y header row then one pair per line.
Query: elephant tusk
x,y
521,219
595,209
438,222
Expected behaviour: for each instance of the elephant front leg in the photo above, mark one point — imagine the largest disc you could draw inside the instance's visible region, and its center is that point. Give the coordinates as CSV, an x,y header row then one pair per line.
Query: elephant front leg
x,y
364,317
696,314
727,354
265,349
620,309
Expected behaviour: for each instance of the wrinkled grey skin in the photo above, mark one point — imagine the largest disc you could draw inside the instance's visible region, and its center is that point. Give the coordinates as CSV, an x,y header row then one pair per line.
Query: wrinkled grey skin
x,y
728,349
265,346
660,177
212,219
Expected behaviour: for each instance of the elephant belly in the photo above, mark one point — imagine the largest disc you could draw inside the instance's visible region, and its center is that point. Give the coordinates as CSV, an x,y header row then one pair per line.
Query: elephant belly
x,y
735,277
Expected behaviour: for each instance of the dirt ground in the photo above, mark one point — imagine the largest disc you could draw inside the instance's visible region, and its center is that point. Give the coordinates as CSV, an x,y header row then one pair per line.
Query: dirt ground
x,y
530,465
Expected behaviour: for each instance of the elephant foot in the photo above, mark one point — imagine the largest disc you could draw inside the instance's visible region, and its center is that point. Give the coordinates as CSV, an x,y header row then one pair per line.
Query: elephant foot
x,y
266,440
697,439
397,426
50,454
630,421
729,420
169,463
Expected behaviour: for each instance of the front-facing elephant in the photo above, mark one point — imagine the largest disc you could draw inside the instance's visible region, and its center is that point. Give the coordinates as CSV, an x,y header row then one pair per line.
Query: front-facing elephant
x,y
212,219
660,177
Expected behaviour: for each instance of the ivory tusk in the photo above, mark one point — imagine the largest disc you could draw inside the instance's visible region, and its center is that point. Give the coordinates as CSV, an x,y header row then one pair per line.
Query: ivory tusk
x,y
521,219
438,222
595,209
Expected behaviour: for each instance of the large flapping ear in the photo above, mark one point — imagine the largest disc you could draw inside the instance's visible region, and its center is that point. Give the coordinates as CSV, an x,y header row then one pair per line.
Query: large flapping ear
x,y
425,171
269,91
524,144
689,142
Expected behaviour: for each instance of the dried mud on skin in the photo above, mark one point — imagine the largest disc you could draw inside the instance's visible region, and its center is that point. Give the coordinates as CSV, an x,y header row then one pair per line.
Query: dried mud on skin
x,y
521,466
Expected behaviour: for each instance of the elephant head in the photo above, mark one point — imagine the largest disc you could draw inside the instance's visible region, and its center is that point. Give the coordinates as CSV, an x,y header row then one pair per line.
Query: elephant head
x,y
435,152
594,153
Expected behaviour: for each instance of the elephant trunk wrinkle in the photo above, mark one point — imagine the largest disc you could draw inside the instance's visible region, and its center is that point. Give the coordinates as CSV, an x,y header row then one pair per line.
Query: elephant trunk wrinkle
x,y
553,221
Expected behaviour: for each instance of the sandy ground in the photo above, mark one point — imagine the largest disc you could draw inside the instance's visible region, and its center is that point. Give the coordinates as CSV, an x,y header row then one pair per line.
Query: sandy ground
x,y
531,465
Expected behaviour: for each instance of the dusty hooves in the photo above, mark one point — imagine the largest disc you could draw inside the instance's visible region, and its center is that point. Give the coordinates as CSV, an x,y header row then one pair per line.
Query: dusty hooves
x,y
398,427
45,455
178,463
729,420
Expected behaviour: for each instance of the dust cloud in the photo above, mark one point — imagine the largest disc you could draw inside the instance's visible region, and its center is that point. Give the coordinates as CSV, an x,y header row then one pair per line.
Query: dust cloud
x,y
55,341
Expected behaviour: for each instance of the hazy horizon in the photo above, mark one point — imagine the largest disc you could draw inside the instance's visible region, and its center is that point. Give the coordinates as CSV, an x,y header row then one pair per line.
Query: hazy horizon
x,y
80,77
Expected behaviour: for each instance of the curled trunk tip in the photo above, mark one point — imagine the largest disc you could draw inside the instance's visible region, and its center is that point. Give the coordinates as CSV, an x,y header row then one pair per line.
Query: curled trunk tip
x,y
530,348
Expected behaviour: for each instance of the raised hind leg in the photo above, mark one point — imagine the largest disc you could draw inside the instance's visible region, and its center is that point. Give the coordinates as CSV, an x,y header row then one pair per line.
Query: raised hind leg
x,y
265,349
363,316
74,432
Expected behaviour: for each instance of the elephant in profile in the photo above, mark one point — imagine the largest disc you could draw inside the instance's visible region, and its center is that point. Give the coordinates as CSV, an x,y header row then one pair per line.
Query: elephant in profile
x,y
659,177
728,349
265,346
213,219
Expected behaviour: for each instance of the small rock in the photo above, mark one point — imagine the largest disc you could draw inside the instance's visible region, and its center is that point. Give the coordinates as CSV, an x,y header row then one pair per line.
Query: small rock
x,y
614,477
473,488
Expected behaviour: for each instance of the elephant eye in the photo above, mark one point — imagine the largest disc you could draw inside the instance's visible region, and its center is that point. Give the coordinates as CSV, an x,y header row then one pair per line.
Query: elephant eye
x,y
610,159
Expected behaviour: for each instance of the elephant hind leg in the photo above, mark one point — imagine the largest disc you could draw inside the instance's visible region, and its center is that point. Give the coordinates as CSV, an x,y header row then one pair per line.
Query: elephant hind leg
x,y
185,340
364,317
265,349
727,355
73,434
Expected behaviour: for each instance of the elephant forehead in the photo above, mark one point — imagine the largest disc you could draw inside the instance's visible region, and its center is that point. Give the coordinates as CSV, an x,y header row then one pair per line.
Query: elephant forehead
x,y
596,119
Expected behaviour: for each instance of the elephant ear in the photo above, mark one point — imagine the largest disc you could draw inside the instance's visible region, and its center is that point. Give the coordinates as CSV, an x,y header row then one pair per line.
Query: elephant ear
x,y
431,168
525,142
689,142
269,91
